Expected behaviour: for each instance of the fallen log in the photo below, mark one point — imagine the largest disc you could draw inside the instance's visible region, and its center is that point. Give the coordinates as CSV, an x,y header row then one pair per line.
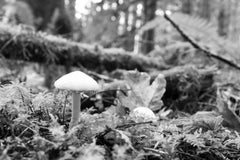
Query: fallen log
x,y
23,43
190,89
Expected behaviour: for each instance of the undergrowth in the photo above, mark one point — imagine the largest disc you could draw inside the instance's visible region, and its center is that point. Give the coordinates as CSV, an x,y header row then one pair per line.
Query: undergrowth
x,y
35,126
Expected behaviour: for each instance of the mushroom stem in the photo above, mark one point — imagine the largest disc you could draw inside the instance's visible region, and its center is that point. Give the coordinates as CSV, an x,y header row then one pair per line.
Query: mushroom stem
x,y
76,105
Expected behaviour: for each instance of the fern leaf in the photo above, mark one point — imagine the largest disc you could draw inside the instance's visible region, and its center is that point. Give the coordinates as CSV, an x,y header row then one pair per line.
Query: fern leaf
x,y
195,139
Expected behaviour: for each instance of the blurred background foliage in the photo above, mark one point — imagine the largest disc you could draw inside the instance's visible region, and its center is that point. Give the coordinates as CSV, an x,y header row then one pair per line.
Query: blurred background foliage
x,y
129,24
137,26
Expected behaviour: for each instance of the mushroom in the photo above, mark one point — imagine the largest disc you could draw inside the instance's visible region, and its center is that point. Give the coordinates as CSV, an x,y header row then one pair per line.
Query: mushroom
x,y
77,82
143,114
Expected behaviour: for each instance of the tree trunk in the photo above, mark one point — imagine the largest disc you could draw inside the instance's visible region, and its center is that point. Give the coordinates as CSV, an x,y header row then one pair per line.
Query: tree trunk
x,y
2,2
71,8
149,7
223,20
187,6
44,10
234,22
126,15
134,17
205,9
63,23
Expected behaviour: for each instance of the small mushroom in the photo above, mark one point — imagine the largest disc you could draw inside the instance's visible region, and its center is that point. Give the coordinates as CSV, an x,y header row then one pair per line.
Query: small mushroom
x,y
143,114
77,82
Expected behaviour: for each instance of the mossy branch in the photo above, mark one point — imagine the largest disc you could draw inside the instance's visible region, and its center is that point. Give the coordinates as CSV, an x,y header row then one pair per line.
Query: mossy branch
x,y
23,43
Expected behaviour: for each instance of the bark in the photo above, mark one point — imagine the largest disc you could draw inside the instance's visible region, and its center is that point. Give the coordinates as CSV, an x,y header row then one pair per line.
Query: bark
x,y
42,48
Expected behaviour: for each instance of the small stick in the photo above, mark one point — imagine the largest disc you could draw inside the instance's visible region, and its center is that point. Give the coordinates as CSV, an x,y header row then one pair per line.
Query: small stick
x,y
132,124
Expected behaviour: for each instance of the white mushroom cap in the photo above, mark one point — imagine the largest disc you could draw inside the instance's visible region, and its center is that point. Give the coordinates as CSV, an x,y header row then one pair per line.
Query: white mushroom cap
x,y
76,81
143,114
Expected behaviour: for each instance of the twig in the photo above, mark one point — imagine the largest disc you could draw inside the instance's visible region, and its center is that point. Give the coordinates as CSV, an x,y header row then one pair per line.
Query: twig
x,y
159,152
122,90
132,124
190,155
197,46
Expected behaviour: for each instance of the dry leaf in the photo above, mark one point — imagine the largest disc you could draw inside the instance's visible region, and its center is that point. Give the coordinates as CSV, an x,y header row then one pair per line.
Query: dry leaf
x,y
142,94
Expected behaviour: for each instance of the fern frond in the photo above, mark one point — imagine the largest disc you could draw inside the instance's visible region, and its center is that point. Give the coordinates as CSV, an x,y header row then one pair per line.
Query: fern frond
x,y
191,24
43,100
199,29
195,139
15,95
234,142
194,24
